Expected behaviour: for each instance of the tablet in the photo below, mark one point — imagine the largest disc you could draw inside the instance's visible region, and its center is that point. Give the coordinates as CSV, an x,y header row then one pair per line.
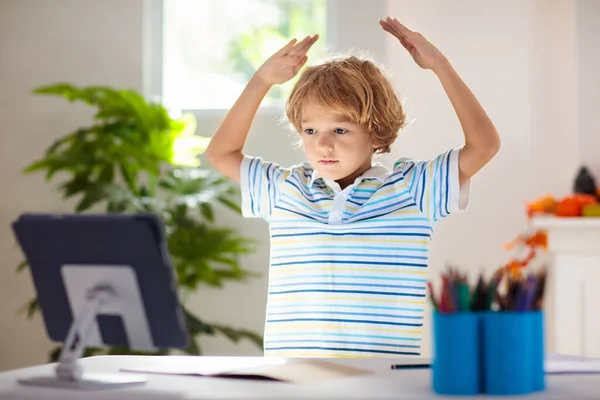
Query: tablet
x,y
70,254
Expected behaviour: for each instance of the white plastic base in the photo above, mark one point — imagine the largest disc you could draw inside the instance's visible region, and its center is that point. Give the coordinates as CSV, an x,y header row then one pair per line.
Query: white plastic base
x,y
92,291
88,381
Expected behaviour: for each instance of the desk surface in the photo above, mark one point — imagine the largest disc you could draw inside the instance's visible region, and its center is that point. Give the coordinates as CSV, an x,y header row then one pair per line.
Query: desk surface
x,y
383,384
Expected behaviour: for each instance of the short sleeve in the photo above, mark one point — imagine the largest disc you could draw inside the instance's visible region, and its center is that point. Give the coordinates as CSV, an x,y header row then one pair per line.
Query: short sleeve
x,y
260,184
434,184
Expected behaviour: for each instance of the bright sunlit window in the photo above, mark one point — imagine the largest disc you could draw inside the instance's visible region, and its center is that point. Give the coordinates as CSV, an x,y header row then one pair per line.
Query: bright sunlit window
x,y
211,48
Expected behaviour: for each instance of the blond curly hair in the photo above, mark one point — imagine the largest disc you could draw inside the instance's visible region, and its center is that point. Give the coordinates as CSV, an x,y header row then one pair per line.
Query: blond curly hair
x,y
358,89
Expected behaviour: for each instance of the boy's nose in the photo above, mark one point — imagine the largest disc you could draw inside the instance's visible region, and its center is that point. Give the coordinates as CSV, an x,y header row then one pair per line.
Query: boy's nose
x,y
325,143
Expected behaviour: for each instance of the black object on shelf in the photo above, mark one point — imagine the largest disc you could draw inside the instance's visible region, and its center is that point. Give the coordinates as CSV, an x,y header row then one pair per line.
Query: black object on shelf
x,y
585,183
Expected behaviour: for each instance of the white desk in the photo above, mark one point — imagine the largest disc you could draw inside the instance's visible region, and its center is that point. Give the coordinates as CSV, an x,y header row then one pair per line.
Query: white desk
x,y
383,384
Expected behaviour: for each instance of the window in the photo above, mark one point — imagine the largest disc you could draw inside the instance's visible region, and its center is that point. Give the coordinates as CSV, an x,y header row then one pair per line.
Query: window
x,y
211,48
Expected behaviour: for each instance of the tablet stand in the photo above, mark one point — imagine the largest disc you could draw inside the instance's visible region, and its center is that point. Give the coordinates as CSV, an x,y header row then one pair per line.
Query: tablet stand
x,y
92,291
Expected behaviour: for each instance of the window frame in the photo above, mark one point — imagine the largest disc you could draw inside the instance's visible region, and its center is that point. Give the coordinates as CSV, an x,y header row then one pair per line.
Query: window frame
x,y
338,11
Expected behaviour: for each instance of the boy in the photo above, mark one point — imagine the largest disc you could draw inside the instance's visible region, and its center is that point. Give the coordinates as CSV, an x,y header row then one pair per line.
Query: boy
x,y
349,240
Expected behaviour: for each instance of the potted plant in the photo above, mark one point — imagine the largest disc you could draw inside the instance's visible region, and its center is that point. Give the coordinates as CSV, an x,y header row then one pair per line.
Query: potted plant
x,y
137,158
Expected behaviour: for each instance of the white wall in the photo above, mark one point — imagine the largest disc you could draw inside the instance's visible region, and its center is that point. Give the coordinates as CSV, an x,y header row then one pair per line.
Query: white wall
x,y
41,42
588,68
506,53
533,65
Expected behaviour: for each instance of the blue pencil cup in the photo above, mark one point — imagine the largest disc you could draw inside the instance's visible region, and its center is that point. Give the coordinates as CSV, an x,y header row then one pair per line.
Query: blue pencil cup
x,y
539,350
456,353
513,352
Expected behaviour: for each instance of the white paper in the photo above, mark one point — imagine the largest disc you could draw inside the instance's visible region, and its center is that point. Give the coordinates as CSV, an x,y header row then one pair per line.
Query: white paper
x,y
197,365
300,370
569,364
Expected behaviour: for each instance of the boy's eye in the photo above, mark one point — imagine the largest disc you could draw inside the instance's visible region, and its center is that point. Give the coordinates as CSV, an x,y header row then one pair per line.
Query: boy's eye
x,y
309,131
340,131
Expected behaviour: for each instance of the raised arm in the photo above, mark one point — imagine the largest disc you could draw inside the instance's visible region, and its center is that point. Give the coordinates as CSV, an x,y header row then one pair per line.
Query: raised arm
x,y
482,141
225,148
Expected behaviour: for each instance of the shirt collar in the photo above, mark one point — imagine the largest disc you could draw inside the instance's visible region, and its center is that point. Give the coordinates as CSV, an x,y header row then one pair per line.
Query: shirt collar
x,y
377,171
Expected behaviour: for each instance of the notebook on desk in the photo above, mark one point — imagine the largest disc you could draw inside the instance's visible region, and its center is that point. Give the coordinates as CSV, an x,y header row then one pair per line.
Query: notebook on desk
x,y
298,370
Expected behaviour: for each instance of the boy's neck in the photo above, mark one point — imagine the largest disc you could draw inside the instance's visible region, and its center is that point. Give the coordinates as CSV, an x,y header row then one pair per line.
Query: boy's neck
x,y
349,180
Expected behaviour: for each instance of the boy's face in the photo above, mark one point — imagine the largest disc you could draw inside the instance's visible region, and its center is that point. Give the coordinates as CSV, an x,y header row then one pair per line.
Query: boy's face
x,y
340,150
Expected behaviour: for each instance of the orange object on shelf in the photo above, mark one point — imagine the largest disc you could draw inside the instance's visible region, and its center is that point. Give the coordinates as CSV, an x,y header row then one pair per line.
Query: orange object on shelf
x,y
572,206
543,205
568,206
585,199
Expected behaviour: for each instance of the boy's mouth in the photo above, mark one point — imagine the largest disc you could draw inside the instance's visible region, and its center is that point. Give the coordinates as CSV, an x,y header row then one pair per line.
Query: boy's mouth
x,y
327,162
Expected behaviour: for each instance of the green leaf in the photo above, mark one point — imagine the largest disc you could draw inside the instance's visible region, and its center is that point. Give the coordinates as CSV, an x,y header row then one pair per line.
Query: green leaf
x,y
54,354
195,247
88,201
120,350
30,308
193,348
36,166
22,266
235,335
138,108
107,173
128,173
230,204
78,184
58,144
207,211
66,90
94,193
195,325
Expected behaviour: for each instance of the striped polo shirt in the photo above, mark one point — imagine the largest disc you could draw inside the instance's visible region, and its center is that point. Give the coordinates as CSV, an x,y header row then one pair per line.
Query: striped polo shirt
x,y
348,268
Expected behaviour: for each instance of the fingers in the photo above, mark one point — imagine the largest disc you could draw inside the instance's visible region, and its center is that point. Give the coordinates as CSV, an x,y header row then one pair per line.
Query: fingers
x,y
308,44
300,64
392,29
393,26
295,52
288,46
404,31
302,47
388,28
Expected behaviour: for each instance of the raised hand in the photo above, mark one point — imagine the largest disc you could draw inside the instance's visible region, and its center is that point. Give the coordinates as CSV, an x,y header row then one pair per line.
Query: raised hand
x,y
285,63
425,54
